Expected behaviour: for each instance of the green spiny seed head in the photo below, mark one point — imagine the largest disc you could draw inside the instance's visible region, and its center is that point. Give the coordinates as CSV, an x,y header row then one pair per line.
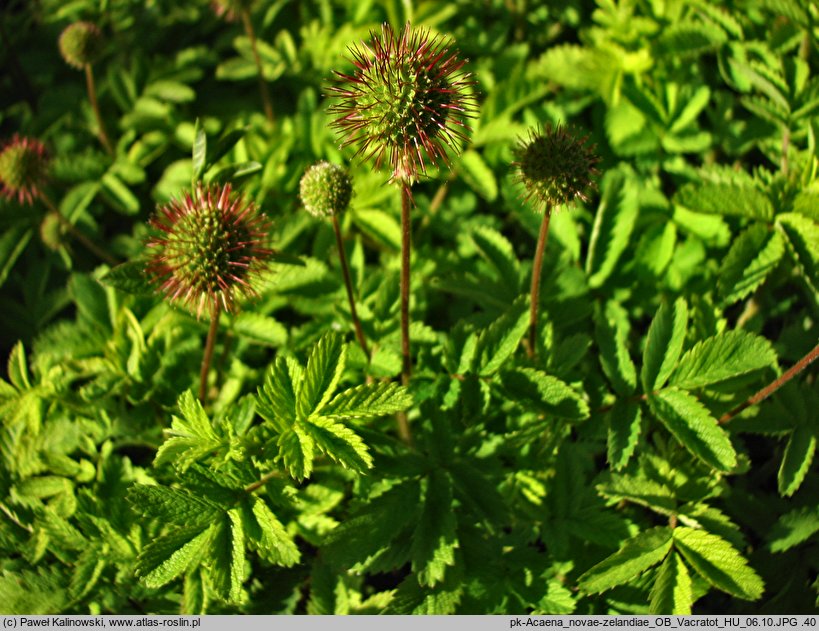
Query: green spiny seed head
x,y
406,102
325,189
554,166
23,169
81,44
208,248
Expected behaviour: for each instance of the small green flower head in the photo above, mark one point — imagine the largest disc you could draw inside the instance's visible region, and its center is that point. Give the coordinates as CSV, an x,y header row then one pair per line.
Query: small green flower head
x,y
406,103
326,189
554,166
23,169
81,44
208,248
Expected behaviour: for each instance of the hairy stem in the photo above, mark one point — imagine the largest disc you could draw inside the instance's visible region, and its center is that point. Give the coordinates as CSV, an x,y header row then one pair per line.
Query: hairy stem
x,y
348,284
92,97
203,374
251,35
773,386
535,292
71,229
406,361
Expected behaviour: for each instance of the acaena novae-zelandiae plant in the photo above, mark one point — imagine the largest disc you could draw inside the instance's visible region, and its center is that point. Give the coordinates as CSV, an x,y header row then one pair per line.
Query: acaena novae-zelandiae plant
x,y
325,190
555,167
209,248
24,171
81,45
405,105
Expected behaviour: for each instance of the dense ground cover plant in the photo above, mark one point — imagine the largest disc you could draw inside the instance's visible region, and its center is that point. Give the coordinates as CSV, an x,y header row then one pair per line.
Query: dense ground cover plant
x,y
647,446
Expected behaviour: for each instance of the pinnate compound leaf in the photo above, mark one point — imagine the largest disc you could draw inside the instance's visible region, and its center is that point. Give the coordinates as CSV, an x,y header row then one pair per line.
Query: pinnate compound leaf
x,y
637,555
191,437
339,442
274,543
368,401
324,368
722,357
545,393
499,340
718,562
170,555
691,424
794,528
375,525
624,431
664,344
797,460
753,255
672,592
434,540
174,506
611,332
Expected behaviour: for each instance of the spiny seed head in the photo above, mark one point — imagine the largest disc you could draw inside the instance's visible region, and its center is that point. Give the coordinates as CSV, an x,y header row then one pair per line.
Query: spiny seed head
x,y
325,189
81,44
406,102
554,166
23,168
208,248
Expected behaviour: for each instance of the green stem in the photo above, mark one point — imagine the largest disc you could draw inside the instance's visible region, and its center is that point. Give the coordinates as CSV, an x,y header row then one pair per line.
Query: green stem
x,y
71,229
772,387
348,284
203,374
92,97
406,361
535,291
251,35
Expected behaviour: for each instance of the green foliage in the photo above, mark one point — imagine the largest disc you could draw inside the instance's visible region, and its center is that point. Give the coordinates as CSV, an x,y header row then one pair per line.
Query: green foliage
x,y
615,468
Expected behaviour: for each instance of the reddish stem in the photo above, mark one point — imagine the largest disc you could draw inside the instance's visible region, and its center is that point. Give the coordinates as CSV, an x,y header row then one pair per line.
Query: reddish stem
x,y
773,386
251,35
348,284
406,361
535,291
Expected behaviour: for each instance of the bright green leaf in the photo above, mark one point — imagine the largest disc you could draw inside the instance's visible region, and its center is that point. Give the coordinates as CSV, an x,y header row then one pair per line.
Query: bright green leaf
x,y
691,424
718,562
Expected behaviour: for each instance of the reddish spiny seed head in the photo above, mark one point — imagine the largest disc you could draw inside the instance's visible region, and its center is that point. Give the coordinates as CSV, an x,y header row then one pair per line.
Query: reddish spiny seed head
x,y
80,44
23,169
325,189
554,166
405,103
209,248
